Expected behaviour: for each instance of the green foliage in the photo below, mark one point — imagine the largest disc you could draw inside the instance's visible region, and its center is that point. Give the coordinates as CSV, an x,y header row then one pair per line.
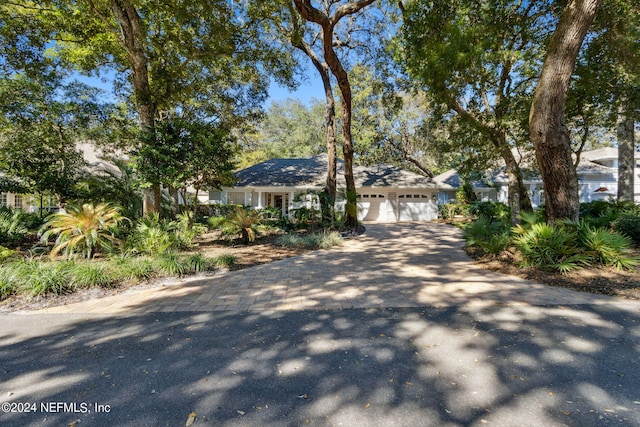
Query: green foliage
x,y
611,249
216,222
89,275
628,225
84,229
244,221
6,253
14,227
491,236
323,240
494,210
38,277
198,263
152,235
550,247
226,261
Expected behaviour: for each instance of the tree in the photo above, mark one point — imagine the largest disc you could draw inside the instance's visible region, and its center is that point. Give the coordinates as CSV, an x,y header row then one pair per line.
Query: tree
x,y
550,135
288,129
188,154
188,55
478,60
40,123
605,89
328,24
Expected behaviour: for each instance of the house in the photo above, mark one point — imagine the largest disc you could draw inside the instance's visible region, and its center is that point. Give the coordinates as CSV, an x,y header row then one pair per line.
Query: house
x,y
95,164
597,180
385,193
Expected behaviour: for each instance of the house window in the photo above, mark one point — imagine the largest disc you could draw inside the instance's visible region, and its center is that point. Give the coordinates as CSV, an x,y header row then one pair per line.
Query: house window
x,y
17,201
215,196
235,198
3,200
541,196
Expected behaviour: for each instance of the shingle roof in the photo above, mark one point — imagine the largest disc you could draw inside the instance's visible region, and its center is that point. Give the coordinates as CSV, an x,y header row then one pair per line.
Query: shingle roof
x,y
312,173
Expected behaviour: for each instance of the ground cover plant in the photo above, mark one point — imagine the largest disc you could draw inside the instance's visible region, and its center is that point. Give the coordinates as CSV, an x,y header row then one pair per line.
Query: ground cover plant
x,y
593,254
92,250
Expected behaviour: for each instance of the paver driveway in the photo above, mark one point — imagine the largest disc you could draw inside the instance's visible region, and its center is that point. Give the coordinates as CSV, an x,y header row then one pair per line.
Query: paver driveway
x,y
391,265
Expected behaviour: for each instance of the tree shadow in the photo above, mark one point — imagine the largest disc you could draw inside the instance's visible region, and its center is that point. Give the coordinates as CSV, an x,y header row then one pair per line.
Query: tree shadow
x,y
499,365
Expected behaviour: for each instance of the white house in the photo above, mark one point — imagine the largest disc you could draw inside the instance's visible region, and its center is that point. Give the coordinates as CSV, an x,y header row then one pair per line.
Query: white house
x,y
597,180
385,193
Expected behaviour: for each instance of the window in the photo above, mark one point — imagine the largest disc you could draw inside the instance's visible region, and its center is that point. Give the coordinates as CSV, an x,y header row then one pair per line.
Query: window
x,y
235,198
215,196
542,198
3,199
17,201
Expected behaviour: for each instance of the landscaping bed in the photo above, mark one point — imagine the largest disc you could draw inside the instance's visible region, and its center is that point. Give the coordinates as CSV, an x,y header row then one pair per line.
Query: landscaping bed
x,y
263,250
600,280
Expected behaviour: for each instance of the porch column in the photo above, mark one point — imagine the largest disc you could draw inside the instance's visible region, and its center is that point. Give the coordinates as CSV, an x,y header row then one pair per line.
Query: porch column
x,y
259,206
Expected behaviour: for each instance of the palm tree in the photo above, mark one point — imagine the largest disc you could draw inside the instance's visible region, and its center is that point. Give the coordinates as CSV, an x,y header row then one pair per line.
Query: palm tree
x,y
82,229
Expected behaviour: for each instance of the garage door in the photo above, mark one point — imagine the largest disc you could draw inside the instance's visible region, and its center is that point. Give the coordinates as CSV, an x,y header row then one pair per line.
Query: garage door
x,y
372,207
416,207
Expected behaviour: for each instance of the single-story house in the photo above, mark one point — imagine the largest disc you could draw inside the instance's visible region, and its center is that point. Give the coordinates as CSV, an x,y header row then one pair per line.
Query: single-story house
x,y
385,193
597,180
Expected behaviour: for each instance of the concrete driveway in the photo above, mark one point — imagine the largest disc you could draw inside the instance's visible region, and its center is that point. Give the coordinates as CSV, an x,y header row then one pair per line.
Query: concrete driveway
x,y
396,328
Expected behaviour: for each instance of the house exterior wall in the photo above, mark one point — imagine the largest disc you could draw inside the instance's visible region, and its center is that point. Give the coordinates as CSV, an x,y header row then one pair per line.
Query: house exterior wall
x,y
374,204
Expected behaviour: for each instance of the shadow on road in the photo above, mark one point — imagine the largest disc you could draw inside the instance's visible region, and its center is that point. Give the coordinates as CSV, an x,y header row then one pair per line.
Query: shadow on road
x,y
495,365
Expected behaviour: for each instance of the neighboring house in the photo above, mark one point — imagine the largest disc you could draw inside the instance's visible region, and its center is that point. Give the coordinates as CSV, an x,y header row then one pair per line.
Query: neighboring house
x,y
597,180
385,193
31,203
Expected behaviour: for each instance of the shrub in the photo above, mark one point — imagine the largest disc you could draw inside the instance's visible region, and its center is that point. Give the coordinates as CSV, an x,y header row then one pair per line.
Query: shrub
x,y
244,221
494,210
609,248
39,277
198,263
82,229
6,253
152,236
216,222
321,240
226,261
491,236
629,225
89,275
552,247
172,264
14,228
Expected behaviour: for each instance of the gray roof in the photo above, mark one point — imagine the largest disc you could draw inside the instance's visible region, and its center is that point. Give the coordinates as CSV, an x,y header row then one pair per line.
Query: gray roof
x,y
312,173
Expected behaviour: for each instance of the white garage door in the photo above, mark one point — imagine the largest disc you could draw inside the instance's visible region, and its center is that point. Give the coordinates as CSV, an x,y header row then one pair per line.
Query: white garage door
x,y
416,207
372,207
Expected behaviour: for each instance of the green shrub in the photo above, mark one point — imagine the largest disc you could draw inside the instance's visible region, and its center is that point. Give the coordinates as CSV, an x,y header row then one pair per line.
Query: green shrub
x,y
6,253
172,264
89,275
84,229
550,247
127,268
494,210
198,263
216,222
491,236
39,277
321,240
152,236
14,228
629,225
226,261
244,221
611,249
290,240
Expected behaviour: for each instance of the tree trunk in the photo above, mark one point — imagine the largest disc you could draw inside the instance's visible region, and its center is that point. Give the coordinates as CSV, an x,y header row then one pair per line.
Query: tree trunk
x,y
550,135
328,24
626,159
330,123
132,40
519,200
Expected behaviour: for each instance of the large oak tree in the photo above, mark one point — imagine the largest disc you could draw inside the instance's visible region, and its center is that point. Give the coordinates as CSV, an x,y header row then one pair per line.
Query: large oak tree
x,y
550,135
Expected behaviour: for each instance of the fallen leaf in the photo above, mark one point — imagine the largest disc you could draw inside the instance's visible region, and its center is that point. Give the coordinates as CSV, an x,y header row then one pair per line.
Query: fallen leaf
x,y
190,419
367,406
550,393
74,423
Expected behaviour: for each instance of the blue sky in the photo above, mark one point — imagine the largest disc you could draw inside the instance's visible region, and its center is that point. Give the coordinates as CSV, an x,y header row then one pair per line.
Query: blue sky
x,y
312,88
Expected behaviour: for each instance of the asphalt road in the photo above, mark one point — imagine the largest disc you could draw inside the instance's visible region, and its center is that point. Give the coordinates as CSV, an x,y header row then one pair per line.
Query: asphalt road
x,y
500,365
